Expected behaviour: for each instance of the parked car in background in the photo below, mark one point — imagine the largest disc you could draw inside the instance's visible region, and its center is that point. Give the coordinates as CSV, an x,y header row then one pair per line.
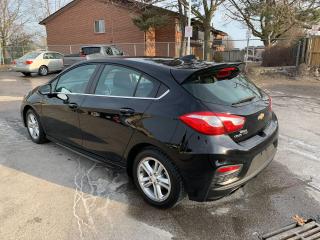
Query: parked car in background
x,y
178,126
92,52
41,62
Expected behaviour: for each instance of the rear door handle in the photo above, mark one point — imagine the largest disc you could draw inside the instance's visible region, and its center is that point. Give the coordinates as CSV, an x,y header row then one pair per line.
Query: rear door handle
x,y
127,111
73,105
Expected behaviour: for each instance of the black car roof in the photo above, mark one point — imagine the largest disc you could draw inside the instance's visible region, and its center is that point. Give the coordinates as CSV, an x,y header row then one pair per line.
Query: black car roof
x,y
179,68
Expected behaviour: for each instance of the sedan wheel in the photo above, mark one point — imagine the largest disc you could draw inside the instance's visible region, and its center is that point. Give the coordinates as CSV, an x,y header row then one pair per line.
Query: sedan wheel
x,y
154,179
157,178
43,71
34,127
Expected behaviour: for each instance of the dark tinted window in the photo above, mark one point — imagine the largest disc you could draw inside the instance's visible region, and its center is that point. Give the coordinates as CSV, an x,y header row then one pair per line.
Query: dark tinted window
x,y
75,80
147,87
117,81
208,88
90,50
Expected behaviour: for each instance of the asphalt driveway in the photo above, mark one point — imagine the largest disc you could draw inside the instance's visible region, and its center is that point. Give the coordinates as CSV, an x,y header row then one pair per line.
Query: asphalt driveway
x,y
48,192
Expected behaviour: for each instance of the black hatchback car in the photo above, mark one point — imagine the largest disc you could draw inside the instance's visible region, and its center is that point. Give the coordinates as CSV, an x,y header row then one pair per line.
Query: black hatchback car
x,y
179,126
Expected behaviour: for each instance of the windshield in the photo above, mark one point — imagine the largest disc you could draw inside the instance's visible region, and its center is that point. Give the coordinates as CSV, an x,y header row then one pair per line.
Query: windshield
x,y
31,55
237,90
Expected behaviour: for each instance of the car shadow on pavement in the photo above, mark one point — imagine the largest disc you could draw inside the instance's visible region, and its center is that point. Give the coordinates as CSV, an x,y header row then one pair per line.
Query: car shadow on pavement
x,y
265,203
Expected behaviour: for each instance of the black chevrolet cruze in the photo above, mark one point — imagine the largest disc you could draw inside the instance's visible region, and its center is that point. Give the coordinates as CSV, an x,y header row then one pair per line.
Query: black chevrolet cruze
x,y
179,126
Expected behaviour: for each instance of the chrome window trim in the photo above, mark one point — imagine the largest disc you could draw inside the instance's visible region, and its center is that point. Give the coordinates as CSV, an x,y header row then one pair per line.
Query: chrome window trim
x,y
98,95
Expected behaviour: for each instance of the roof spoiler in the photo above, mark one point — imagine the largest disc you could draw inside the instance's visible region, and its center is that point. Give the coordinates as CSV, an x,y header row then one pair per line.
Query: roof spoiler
x,y
223,71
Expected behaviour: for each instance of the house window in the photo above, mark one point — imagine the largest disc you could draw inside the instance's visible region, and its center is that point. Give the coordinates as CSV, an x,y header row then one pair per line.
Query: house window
x,y
99,26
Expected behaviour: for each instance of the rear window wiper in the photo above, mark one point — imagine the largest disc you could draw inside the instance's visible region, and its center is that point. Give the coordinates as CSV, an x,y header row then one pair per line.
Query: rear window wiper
x,y
248,99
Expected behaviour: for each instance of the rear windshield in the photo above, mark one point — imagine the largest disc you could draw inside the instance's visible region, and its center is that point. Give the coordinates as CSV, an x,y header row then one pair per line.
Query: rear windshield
x,y
206,87
31,55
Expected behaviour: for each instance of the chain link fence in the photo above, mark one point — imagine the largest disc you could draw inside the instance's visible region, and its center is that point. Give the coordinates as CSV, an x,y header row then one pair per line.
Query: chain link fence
x,y
285,52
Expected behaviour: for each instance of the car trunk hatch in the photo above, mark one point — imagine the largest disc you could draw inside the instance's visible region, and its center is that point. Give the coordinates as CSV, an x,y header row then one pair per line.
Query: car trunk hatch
x,y
223,89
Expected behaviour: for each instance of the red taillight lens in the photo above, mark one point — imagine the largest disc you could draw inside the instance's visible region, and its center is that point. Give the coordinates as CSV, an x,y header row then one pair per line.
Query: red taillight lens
x,y
28,62
228,169
270,103
211,123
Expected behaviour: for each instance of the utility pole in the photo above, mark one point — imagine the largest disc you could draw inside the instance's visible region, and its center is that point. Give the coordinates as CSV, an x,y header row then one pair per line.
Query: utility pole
x,y
188,33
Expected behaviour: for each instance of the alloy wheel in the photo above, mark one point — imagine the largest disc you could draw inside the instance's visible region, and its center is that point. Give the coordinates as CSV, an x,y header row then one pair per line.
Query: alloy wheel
x,y
33,126
154,179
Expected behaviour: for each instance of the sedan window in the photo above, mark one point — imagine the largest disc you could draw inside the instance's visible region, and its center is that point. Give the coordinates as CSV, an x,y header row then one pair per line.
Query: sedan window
x,y
75,80
147,87
117,81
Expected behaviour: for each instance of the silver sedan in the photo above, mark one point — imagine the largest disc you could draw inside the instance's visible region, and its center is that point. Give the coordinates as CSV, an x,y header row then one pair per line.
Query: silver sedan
x,y
41,62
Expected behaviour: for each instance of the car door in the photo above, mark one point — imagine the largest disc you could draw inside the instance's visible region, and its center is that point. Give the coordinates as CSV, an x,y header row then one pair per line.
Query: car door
x,y
58,61
48,60
60,117
113,110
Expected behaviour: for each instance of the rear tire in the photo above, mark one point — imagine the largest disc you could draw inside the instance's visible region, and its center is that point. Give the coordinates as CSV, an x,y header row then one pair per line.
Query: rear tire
x,y
43,71
157,179
35,128
27,74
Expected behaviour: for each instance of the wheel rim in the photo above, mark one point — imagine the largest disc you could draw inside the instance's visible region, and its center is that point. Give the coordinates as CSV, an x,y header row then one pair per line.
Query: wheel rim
x,y
33,126
43,71
154,179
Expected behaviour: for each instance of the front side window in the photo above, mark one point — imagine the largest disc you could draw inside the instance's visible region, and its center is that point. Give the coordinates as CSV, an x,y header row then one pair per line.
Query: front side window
x,y
75,80
99,26
117,81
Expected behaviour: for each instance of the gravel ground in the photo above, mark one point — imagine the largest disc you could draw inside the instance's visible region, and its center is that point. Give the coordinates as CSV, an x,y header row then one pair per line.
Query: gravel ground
x,y
48,192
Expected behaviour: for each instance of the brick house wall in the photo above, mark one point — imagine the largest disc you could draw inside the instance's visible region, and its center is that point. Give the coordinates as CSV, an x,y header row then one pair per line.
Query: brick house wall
x,y
75,25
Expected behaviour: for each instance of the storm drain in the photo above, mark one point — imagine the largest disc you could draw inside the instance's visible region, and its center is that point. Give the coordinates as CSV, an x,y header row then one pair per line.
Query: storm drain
x,y
309,230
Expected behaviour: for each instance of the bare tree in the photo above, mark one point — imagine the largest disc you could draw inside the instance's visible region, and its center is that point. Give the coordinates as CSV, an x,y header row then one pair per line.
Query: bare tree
x,y
272,19
204,11
43,8
11,21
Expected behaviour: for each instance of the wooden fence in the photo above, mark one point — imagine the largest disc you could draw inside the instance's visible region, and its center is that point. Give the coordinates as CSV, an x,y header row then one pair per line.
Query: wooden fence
x,y
313,51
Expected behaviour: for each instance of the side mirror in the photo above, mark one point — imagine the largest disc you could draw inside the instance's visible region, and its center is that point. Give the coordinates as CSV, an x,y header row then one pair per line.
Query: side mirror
x,y
63,97
45,89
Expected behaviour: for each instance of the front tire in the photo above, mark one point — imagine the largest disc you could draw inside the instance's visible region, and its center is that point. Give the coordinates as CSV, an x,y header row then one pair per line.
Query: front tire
x,y
35,128
157,179
43,71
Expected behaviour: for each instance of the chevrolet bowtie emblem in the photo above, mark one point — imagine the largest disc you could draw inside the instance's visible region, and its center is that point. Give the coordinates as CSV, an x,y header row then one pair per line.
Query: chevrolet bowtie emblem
x,y
261,116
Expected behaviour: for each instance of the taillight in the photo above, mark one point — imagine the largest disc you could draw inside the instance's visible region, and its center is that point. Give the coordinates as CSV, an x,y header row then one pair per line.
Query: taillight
x,y
211,123
227,174
270,103
14,62
225,72
28,62
229,168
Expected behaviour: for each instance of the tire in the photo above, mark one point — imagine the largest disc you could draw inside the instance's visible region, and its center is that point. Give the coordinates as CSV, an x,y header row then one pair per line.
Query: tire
x,y
43,71
35,128
27,74
168,179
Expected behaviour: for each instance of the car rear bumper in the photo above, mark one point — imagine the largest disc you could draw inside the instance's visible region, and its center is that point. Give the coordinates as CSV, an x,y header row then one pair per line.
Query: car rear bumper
x,y
254,155
27,69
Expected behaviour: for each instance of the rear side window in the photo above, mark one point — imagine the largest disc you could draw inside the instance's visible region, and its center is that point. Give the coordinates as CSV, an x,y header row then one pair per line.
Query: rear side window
x,y
147,87
75,80
117,81
207,87
126,82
